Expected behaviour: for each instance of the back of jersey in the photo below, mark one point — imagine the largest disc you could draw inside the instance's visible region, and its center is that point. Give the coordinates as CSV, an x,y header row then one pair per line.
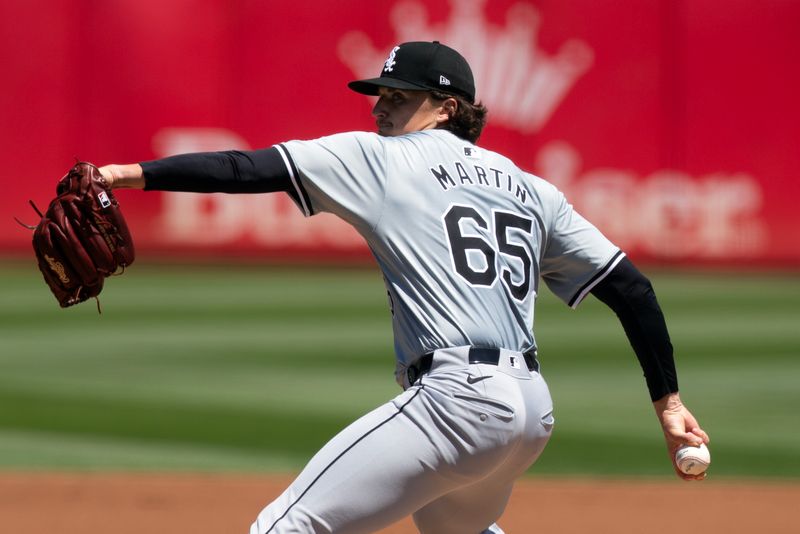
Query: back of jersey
x,y
458,240
460,233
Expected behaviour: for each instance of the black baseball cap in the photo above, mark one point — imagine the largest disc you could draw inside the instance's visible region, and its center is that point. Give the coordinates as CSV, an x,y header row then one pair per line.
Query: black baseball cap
x,y
422,65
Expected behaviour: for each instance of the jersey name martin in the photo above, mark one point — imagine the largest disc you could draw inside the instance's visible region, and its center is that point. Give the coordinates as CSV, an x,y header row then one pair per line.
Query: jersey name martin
x,y
458,174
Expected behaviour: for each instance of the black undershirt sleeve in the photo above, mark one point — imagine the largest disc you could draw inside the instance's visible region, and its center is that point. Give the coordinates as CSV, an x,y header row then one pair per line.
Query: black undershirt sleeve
x,y
233,171
630,294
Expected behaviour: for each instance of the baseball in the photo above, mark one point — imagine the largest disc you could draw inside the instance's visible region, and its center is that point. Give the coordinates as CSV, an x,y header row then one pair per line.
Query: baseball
x,y
693,460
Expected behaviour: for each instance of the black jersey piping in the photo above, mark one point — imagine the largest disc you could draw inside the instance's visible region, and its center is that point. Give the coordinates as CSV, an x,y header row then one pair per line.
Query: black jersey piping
x,y
593,281
302,197
356,442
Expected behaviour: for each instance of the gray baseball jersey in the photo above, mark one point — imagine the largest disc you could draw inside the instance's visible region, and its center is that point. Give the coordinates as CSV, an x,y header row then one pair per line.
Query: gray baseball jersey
x,y
461,234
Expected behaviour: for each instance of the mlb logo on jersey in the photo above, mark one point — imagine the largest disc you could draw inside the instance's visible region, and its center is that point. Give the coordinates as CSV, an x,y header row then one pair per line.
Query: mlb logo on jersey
x,y
472,152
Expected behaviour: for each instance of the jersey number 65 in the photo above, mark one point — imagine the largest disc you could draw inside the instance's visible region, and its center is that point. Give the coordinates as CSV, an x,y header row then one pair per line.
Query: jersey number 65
x,y
506,227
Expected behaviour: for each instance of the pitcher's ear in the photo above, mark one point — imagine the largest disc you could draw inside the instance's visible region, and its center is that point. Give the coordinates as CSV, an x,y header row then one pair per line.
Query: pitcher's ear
x,y
449,106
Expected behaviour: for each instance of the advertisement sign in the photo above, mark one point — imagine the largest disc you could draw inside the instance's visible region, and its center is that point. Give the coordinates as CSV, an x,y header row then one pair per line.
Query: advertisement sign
x,y
673,126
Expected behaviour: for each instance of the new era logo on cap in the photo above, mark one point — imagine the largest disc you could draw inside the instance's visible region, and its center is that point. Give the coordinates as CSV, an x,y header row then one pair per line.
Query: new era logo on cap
x,y
443,80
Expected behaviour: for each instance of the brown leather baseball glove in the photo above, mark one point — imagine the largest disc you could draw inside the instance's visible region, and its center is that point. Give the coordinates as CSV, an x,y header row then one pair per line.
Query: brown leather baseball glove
x,y
82,238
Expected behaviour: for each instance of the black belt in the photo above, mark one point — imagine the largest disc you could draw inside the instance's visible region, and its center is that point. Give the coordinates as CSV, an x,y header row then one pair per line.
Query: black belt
x,y
476,355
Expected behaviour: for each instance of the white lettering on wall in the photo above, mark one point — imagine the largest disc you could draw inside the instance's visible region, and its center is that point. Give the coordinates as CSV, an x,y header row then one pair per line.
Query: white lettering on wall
x,y
269,220
667,213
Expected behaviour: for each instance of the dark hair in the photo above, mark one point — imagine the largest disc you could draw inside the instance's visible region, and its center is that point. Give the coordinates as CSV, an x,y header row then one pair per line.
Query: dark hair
x,y
468,120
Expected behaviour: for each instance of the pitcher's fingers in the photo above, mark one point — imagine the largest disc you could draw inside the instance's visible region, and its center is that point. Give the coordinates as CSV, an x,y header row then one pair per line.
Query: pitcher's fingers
x,y
702,434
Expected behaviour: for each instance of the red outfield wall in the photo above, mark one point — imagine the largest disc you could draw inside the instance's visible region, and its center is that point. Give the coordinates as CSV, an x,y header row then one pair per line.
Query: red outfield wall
x,y
671,124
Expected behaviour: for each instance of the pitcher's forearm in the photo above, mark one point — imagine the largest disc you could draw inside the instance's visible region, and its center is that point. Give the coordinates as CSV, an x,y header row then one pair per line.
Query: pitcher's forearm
x,y
124,176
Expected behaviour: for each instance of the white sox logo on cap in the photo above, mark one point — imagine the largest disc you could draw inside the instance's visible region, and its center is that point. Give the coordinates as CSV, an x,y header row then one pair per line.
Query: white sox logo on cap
x,y
390,61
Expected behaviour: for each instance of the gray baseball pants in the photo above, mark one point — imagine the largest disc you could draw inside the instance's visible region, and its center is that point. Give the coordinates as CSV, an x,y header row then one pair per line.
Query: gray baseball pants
x,y
446,451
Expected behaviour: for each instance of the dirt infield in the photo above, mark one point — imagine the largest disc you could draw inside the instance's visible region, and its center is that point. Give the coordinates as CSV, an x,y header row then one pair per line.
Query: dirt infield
x,y
204,504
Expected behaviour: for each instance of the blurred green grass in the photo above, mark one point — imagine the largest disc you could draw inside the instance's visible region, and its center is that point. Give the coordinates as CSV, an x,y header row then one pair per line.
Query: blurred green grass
x,y
253,368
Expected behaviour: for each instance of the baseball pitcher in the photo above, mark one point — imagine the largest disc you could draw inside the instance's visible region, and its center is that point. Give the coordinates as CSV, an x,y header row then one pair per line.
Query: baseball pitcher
x,y
463,237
